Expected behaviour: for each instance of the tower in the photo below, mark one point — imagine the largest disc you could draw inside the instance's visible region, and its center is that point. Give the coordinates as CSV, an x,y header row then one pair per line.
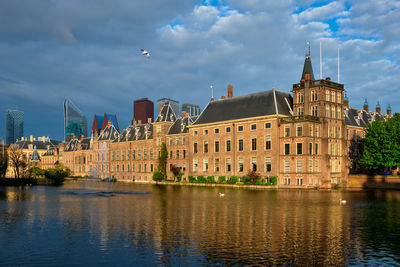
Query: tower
x,y
14,125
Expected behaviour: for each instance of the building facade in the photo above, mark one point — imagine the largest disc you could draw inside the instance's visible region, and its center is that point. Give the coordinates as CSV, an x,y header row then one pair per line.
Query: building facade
x,y
143,110
14,125
191,109
75,123
304,138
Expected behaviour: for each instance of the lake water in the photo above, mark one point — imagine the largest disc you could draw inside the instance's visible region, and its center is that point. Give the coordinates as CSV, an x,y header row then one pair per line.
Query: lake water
x,y
95,223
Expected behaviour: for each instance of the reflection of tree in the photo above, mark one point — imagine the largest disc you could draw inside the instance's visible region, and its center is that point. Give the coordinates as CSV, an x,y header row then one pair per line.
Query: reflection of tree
x,y
355,152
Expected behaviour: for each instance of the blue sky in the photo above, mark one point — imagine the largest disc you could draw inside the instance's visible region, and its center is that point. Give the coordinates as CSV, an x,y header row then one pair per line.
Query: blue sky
x,y
90,53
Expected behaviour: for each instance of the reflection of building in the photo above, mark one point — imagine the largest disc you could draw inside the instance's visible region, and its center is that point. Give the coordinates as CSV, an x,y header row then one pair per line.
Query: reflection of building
x,y
143,110
166,101
14,125
75,123
191,109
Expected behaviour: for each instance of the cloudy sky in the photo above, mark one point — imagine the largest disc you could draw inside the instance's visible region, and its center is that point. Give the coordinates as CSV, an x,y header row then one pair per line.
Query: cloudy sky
x,y
89,51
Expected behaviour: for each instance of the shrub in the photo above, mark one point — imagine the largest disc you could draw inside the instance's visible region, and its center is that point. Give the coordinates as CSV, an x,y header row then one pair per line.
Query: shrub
x,y
113,180
158,176
57,174
239,183
232,180
201,179
179,178
274,180
259,182
36,172
192,179
211,180
222,180
246,180
253,176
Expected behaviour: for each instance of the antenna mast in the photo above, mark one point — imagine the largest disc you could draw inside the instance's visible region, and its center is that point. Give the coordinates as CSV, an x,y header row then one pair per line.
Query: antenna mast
x,y
320,59
308,50
338,65
212,92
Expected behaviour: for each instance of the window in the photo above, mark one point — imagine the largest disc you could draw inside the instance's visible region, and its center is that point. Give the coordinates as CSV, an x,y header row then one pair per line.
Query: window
x,y
158,129
122,155
267,164
316,149
133,154
240,128
228,164
314,96
216,146
240,143
240,165
287,149
139,154
216,164
254,127
228,129
339,97
151,154
299,181
299,130
300,98
176,140
184,153
338,113
310,127
299,166
205,132
170,154
127,154
327,111
287,131
140,168
195,133
268,142
183,140
170,141
310,165
177,154
205,147
316,166
145,154
113,156
300,111
315,111
327,95
151,168
333,112
287,181
159,141
195,165
228,145
195,147
286,168
183,167
133,168
310,148
267,125
254,143
145,167
117,155
254,163
205,165
299,148
317,131
216,131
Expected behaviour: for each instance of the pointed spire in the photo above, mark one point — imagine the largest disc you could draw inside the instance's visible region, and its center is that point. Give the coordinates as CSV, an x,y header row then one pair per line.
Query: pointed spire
x,y
307,69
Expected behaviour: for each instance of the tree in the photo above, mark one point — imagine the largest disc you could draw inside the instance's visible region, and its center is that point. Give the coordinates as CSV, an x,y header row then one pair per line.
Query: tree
x,y
3,163
175,171
18,160
253,176
162,160
381,145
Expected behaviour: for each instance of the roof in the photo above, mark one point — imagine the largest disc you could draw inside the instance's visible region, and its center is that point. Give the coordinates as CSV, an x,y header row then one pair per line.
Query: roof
x,y
109,133
136,133
307,68
85,143
35,155
360,118
166,114
72,145
39,144
49,152
246,106
180,125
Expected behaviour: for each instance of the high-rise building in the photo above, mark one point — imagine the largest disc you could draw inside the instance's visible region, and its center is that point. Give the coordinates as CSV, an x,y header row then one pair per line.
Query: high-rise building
x,y
191,109
165,101
75,123
143,109
14,125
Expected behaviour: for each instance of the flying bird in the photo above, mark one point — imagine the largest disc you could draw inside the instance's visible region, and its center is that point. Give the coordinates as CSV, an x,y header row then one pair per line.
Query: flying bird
x,y
144,52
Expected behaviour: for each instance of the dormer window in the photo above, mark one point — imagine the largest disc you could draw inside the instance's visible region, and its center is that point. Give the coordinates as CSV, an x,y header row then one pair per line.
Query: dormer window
x,y
171,117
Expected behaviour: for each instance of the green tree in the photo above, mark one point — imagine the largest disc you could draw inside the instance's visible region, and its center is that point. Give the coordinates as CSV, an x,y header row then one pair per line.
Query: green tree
x,y
3,163
381,145
162,160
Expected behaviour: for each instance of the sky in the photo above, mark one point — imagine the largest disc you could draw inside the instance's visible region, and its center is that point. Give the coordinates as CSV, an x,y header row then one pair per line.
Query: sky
x,y
89,51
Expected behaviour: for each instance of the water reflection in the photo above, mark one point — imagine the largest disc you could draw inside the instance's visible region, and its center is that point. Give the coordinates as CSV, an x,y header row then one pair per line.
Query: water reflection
x,y
171,225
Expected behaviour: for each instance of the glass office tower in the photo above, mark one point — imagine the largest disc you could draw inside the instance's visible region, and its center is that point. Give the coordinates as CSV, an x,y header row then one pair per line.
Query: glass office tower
x,y
14,125
75,122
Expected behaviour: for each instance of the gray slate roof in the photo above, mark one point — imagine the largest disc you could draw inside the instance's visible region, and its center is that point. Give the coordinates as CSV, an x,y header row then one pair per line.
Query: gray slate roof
x,y
49,152
72,145
246,106
166,114
109,133
136,133
37,143
35,155
307,68
180,125
360,118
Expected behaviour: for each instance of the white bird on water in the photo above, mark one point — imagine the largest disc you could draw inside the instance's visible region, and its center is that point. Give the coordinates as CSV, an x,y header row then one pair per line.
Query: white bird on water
x,y
221,194
144,52
343,201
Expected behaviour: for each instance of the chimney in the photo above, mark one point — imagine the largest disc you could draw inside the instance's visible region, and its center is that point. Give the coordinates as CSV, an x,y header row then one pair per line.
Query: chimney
x,y
43,139
230,91
389,111
139,121
109,123
223,97
378,108
82,136
31,138
366,105
22,138
328,79
184,114
148,120
346,101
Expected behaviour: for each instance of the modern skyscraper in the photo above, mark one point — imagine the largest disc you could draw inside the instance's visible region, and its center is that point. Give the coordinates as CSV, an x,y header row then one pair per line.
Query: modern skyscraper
x,y
165,101
143,109
191,109
75,122
14,125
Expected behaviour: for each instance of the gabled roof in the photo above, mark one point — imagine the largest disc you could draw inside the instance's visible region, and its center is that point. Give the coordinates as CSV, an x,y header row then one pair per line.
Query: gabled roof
x,y
49,152
360,118
136,133
35,155
109,133
72,145
112,118
307,68
166,114
180,125
39,144
246,106
85,143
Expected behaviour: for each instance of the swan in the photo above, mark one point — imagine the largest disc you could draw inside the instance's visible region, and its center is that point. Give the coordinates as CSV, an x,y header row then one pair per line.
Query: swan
x,y
221,194
343,201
